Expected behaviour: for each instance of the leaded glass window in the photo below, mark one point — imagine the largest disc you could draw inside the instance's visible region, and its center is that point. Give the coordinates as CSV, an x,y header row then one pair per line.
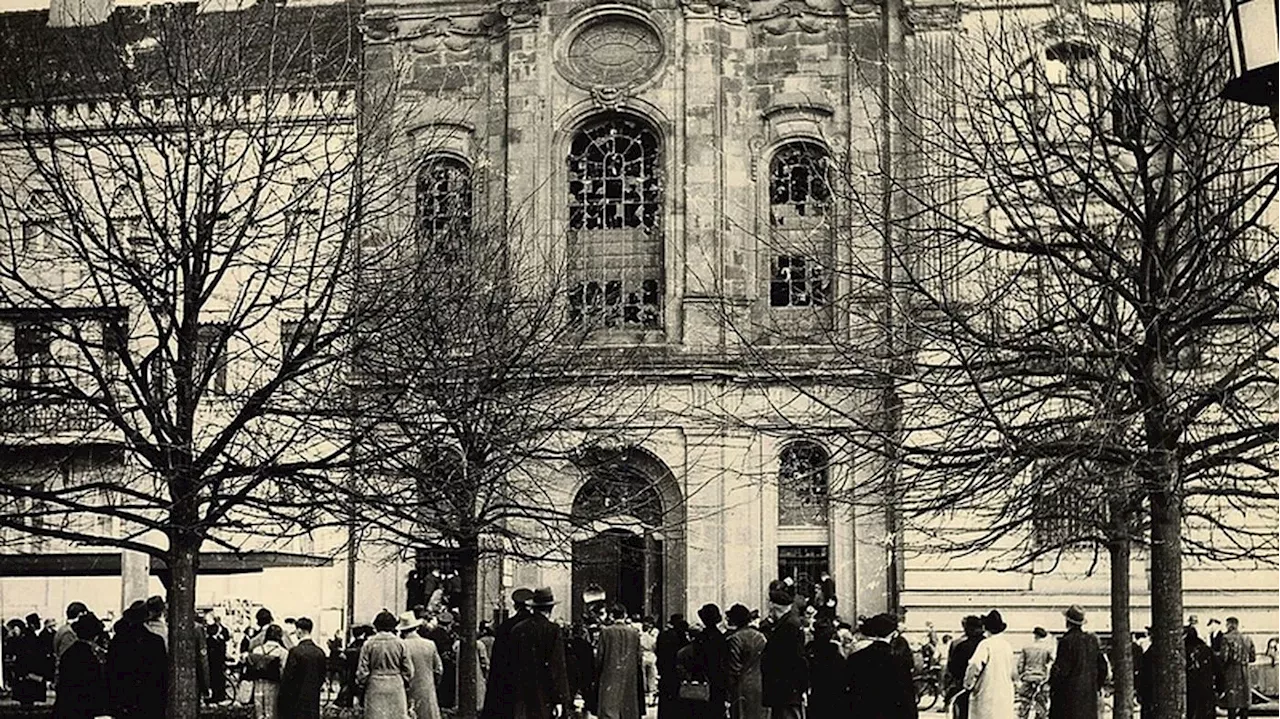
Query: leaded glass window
x,y
802,485
443,198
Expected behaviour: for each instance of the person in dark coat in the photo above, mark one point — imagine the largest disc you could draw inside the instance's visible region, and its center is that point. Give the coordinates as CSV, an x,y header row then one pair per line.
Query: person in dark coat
x,y
497,690
81,691
27,683
782,666
216,638
1202,676
538,674
958,662
351,691
137,675
1078,673
714,656
446,644
879,686
580,662
668,645
828,675
303,676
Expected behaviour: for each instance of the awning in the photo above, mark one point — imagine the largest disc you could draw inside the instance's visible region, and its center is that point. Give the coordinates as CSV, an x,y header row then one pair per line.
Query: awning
x,y
107,564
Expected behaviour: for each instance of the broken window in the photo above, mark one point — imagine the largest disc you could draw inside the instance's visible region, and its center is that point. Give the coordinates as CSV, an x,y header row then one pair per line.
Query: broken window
x,y
799,184
802,485
615,246
211,353
33,348
443,198
39,217
797,281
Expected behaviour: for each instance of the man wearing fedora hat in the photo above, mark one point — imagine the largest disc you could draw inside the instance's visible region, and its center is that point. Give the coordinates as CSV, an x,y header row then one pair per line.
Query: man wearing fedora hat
x,y
880,686
991,673
539,677
498,691
783,667
1079,671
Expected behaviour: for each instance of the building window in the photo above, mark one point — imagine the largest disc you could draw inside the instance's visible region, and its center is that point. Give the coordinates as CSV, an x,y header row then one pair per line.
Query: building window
x,y
615,243
211,351
300,213
33,349
39,217
296,336
799,184
803,566
443,198
797,281
1070,509
802,485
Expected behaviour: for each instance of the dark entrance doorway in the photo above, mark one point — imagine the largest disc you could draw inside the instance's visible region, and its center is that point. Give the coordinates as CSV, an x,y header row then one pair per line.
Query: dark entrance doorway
x,y
629,520
626,565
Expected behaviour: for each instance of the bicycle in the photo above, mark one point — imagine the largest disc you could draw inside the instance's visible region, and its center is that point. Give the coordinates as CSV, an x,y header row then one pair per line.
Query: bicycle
x,y
927,689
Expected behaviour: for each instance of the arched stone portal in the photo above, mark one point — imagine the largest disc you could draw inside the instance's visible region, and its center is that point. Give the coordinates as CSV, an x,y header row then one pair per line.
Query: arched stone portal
x,y
630,518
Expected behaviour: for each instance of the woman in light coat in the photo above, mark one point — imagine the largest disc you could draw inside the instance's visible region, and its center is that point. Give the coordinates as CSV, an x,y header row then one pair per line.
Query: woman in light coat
x,y
384,670
992,673
267,660
427,668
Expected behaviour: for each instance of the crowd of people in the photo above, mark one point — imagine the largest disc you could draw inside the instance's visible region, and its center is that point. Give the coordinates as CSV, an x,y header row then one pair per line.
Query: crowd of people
x,y
798,659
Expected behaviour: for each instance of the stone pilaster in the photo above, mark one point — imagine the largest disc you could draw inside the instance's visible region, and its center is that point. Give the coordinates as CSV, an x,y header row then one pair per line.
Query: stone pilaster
x,y
705,544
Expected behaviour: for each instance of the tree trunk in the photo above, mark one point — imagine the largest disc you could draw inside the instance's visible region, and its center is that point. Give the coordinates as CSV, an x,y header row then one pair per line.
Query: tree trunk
x,y
1121,629
468,667
184,656
1168,687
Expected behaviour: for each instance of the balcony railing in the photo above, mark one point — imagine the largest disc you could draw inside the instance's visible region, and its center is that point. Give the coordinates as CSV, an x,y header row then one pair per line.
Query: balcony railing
x,y
27,415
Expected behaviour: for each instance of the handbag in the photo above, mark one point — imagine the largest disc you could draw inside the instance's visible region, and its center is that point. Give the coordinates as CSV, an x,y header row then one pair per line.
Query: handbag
x,y
695,691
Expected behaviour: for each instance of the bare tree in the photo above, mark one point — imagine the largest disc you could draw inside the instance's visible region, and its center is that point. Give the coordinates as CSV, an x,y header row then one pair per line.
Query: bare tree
x,y
181,191
1078,273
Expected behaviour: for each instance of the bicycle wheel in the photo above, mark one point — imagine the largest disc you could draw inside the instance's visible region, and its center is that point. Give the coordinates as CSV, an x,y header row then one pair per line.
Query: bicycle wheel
x,y
926,693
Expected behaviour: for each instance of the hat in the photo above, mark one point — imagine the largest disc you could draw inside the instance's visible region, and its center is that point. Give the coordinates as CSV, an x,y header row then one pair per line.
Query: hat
x,y
408,620
384,622
1074,614
521,596
993,622
87,626
780,596
879,626
445,617
738,615
542,597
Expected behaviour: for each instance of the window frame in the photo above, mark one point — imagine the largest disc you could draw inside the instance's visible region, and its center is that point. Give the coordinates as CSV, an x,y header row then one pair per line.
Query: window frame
x,y
791,499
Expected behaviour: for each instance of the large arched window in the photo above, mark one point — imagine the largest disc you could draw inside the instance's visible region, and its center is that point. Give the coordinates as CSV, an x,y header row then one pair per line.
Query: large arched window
x,y
802,485
615,240
443,199
800,260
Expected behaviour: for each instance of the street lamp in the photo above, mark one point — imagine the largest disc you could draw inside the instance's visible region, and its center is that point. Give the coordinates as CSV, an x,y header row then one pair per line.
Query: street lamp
x,y
1252,34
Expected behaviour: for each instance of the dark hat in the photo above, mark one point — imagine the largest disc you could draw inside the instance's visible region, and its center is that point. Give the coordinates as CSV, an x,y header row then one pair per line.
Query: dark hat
x,y
384,622
521,596
137,612
1040,632
445,617
87,626
1074,614
738,615
677,620
879,626
993,622
709,614
542,597
971,622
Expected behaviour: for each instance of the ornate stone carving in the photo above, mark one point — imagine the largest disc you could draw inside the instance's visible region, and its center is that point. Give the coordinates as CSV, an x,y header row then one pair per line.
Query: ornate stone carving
x,y
923,18
520,13
726,9
379,26
608,98
444,33
613,52
778,17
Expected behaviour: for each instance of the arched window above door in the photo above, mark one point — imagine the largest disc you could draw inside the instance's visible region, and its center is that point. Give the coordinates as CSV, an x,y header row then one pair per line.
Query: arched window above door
x,y
802,485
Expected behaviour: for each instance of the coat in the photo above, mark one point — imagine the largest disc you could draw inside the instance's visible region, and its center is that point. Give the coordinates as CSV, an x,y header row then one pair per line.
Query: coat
x,y
447,648
1079,670
828,682
1235,655
137,673
303,678
743,649
427,670
619,673
990,678
270,656
28,667
539,677
498,692
82,685
384,670
879,686
1201,676
783,666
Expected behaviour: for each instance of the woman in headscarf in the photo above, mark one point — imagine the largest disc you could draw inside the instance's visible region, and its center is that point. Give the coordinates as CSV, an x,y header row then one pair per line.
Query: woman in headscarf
x,y
82,685
266,664
385,668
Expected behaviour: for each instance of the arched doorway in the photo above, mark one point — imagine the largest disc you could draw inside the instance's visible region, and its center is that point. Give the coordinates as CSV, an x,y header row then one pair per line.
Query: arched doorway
x,y
630,533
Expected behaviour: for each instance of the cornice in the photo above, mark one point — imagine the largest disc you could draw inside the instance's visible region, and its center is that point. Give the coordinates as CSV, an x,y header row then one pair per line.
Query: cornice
x,y
456,29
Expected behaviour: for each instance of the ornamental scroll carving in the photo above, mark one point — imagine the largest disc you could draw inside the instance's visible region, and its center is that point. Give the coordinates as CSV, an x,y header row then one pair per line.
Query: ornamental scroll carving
x,y
779,17
614,52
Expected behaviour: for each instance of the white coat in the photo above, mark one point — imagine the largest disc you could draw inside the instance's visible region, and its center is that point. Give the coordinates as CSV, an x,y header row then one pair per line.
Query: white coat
x,y
990,678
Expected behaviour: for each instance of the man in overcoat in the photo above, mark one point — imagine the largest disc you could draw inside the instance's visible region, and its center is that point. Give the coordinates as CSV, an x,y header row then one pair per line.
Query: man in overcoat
x,y
668,645
880,685
1078,673
303,676
539,678
619,669
1235,653
497,691
783,668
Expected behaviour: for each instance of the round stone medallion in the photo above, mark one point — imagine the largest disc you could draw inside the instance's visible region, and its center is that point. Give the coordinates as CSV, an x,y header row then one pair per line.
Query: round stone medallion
x,y
614,52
